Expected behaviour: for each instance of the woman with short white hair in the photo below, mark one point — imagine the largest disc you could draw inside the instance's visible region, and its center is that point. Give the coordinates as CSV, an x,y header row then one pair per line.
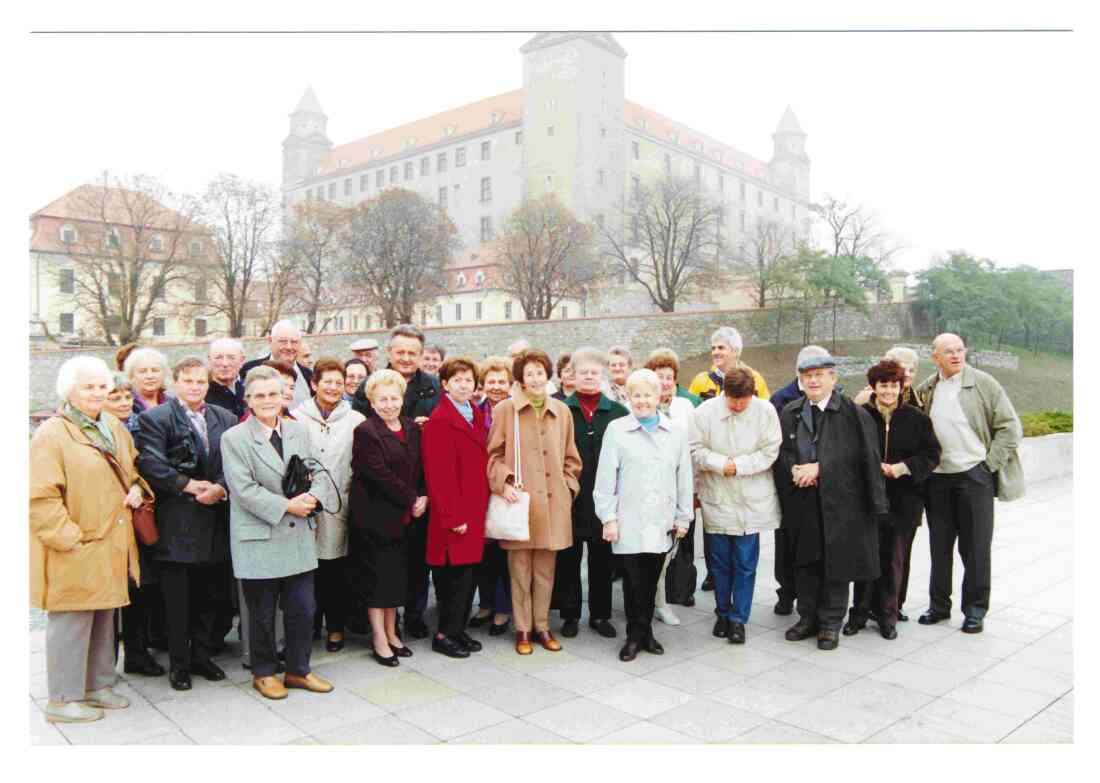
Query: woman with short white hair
x,y
643,496
148,371
83,488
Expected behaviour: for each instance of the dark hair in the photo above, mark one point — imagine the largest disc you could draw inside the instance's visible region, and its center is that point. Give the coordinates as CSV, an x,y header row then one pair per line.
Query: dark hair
x,y
528,356
563,360
188,363
282,368
739,383
436,348
326,364
407,330
454,366
884,372
350,362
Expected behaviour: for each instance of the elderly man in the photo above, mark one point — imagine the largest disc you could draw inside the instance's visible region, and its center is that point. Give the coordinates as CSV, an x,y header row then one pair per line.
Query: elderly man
x,y
305,355
725,352
366,349
285,341
226,357
832,492
980,433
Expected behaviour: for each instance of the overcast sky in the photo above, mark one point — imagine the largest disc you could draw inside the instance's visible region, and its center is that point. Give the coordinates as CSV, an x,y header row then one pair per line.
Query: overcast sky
x,y
955,140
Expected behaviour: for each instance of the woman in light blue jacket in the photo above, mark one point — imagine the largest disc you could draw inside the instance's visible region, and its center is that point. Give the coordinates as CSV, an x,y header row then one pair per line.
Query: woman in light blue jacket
x,y
643,498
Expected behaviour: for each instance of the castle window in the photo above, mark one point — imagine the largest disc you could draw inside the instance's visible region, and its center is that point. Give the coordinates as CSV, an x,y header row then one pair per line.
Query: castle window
x,y
379,178
68,234
66,326
477,311
486,228
634,148
331,191
549,130
479,280
460,157
364,181
461,281
66,280
600,176
200,327
443,197
113,239
441,162
486,190
408,170
458,311
759,198
425,166
347,186
508,310
393,174
519,138
486,150
196,248
158,327
668,163
156,243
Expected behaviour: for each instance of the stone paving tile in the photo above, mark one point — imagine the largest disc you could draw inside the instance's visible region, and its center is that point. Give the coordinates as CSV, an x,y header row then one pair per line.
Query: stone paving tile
x,y
581,720
965,720
840,722
41,731
120,727
453,717
540,660
915,730
982,644
1007,700
408,689
318,712
709,720
511,732
230,717
950,659
800,677
1030,678
583,677
850,661
386,730
778,733
696,678
645,733
523,695
887,698
769,703
934,682
641,697
745,661
174,737
1047,660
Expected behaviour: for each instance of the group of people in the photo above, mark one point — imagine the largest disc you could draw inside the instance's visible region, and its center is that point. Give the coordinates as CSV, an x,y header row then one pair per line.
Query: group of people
x,y
304,495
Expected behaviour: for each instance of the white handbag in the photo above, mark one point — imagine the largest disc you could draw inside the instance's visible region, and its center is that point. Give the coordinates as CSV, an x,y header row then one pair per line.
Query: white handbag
x,y
506,521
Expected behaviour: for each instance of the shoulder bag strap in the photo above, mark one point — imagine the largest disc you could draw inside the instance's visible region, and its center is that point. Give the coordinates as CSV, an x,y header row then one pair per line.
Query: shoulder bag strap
x,y
516,450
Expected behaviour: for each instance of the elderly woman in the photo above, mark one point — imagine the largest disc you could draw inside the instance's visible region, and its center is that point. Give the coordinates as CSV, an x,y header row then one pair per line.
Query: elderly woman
x,y
83,487
355,372
387,492
619,365
272,538
148,371
564,370
551,466
643,497
592,412
494,588
455,460
910,452
120,402
330,423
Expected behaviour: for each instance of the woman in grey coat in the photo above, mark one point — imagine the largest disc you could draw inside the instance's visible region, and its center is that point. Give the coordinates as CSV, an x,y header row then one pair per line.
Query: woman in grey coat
x,y
272,538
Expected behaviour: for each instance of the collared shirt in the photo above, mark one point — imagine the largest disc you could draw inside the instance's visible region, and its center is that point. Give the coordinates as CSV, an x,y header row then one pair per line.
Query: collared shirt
x,y
198,421
277,428
96,429
962,448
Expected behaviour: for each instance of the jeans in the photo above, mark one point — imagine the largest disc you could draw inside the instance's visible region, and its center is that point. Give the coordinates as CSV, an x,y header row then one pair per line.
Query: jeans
x,y
732,560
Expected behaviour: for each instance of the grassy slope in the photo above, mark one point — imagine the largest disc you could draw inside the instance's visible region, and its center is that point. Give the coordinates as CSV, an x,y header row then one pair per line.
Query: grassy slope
x,y
1043,382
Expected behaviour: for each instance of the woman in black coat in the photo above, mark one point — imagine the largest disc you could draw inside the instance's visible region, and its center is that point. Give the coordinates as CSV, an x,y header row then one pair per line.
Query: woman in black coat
x,y
387,492
910,452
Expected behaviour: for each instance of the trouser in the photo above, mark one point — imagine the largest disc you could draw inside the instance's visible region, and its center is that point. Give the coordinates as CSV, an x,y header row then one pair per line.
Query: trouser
x,y
640,574
80,653
295,595
416,572
494,589
878,598
732,561
821,600
784,568
135,622
903,588
567,580
454,594
192,596
227,607
960,505
333,594
532,575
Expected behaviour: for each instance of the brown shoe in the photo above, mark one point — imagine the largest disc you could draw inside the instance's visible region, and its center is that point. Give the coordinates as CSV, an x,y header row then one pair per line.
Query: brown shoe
x,y
523,643
547,640
311,682
269,687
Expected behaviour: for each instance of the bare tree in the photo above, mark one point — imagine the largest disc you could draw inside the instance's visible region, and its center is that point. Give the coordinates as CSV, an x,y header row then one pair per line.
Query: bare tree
x,y
766,253
242,217
855,231
669,242
545,255
313,248
397,247
133,241
278,273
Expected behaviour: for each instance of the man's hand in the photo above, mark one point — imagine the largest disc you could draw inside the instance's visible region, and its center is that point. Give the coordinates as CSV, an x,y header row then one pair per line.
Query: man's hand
x,y
196,487
214,493
806,475
730,469
420,506
890,471
680,532
611,531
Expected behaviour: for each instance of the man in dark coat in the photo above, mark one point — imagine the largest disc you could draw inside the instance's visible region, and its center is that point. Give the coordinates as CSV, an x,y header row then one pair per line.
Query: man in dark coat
x,y
285,340
592,412
179,447
831,491
403,351
226,357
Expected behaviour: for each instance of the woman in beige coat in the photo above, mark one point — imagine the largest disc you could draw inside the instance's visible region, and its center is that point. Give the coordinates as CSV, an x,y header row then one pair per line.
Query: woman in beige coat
x,y
551,468
82,544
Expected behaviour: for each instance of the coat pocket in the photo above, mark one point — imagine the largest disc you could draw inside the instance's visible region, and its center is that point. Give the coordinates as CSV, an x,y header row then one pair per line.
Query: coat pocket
x,y
253,532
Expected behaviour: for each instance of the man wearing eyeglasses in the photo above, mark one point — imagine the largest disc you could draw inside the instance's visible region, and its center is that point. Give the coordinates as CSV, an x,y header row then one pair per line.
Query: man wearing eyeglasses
x,y
285,341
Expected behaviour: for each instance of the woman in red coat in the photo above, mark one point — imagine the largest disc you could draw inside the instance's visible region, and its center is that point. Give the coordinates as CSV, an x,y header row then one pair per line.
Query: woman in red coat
x,y
455,458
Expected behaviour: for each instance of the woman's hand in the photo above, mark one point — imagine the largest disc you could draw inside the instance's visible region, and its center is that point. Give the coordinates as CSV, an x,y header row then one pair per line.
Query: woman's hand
x,y
611,531
302,505
214,493
133,497
893,471
680,532
420,506
459,530
510,494
806,475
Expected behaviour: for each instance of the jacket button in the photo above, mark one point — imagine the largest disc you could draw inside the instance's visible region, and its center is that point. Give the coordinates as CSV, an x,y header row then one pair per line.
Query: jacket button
x,y
292,524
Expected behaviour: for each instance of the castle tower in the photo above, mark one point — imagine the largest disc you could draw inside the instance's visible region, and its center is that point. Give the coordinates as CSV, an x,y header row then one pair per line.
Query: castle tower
x,y
573,137
789,163
308,142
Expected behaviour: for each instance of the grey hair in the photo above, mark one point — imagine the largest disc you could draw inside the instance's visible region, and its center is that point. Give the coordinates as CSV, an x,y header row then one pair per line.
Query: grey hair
x,y
643,377
226,343
587,354
284,325
121,381
406,330
262,373
807,352
620,350
143,355
729,336
899,353
514,352
82,365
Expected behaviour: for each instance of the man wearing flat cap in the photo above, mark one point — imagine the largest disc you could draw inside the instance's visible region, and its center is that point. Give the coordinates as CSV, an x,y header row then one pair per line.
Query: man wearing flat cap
x,y
831,492
367,350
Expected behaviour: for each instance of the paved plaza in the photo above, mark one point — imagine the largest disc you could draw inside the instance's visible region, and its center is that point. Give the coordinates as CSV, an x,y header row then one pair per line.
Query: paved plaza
x,y
1012,683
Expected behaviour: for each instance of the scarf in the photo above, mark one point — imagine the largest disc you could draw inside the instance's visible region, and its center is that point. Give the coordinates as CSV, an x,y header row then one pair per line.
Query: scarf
x,y
588,403
96,429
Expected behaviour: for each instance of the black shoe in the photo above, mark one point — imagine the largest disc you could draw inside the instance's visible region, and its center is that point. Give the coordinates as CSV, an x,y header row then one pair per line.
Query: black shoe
x,y
803,629
721,627
208,670
316,634
708,583
570,628
652,646
736,633
391,661
471,644
334,645
931,618
852,627
281,655
143,665
180,680
402,652
449,647
689,601
783,608
629,652
887,631
498,630
604,628
903,617
416,628
159,643
972,625
478,621
827,639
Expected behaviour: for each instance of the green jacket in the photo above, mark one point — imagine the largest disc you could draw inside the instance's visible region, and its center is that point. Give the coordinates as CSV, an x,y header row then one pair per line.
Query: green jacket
x,y
991,415
589,440
694,399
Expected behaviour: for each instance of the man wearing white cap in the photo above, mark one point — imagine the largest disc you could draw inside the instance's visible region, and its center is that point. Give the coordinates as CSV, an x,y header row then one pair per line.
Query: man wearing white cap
x,y
366,349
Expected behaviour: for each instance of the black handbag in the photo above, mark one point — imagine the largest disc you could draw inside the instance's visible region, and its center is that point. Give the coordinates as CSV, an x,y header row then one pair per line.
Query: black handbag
x,y
299,478
681,574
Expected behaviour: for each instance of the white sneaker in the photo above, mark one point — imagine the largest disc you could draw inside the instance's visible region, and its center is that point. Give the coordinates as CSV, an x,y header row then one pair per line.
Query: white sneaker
x,y
666,615
71,712
107,699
